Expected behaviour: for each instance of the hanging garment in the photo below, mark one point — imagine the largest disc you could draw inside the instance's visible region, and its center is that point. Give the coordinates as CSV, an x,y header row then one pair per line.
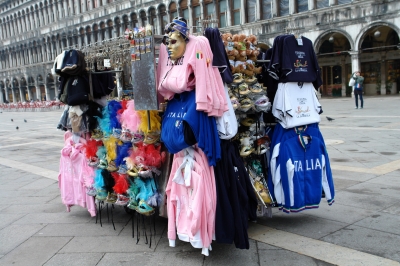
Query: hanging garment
x,y
294,60
190,201
279,137
73,175
220,59
192,70
296,104
236,200
304,170
182,108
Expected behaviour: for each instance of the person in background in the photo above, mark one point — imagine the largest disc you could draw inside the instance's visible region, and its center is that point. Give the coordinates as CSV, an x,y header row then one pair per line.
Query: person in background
x,y
358,88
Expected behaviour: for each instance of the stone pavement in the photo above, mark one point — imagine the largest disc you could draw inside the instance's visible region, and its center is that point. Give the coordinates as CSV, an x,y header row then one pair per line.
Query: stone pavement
x,y
360,228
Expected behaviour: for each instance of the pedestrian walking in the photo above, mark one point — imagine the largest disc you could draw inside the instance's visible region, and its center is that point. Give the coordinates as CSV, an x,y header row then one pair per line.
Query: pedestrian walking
x,y
358,88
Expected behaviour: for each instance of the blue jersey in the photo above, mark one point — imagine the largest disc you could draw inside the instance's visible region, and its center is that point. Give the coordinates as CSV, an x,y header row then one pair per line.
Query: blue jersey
x,y
280,135
305,171
182,108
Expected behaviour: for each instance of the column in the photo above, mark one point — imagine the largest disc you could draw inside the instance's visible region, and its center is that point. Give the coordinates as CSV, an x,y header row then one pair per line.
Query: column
x,y
228,18
6,92
21,95
55,13
13,95
311,4
242,12
71,7
355,64
98,3
292,6
65,6
60,9
32,22
29,90
47,92
275,5
83,5
1,96
77,6
383,73
37,88
159,19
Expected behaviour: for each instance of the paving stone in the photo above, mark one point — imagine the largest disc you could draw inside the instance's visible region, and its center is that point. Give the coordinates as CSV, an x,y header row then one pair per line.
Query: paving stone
x,y
79,216
287,258
34,251
383,222
15,234
69,259
107,244
80,229
364,201
341,213
222,253
351,176
390,178
152,259
161,225
302,224
34,208
378,190
180,246
8,218
371,241
342,183
395,210
262,246
38,184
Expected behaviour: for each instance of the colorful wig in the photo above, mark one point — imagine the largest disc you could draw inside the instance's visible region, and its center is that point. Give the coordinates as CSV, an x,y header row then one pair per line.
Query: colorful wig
x,y
155,121
129,118
121,183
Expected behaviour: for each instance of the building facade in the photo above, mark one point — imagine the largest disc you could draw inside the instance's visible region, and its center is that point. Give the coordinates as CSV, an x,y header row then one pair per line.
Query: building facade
x,y
347,35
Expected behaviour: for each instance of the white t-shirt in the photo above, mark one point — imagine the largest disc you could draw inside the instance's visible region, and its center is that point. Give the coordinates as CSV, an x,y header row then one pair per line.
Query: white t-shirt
x,y
296,105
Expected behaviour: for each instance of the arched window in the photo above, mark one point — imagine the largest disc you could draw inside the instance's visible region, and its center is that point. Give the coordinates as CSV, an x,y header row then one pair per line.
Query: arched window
x,y
153,19
173,11
163,16
110,28
251,10
322,3
302,6
209,10
284,7
134,20
236,12
125,22
222,13
196,9
95,33
143,18
184,9
266,9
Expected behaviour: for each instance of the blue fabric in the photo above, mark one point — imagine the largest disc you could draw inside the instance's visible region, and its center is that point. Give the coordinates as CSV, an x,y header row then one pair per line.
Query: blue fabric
x,y
220,58
308,173
183,108
280,135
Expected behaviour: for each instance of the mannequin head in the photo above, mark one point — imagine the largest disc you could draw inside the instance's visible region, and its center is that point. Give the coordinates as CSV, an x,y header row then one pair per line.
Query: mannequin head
x,y
176,45
178,36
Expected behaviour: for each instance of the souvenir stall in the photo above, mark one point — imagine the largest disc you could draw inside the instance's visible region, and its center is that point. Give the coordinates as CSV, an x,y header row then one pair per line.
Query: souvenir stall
x,y
188,137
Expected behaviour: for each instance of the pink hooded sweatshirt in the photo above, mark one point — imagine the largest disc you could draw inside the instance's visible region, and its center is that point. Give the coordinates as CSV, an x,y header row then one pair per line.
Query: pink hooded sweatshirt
x,y
193,70
74,174
191,200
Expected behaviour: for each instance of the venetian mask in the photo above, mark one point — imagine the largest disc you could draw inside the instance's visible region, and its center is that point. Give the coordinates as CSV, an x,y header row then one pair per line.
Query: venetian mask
x,y
176,45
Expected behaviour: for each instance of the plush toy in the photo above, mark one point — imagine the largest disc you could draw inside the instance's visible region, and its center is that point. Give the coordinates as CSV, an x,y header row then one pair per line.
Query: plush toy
x,y
248,71
239,43
232,54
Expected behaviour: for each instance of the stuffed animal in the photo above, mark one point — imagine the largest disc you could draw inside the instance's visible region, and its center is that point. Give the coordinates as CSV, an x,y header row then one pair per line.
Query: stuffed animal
x,y
232,54
239,43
